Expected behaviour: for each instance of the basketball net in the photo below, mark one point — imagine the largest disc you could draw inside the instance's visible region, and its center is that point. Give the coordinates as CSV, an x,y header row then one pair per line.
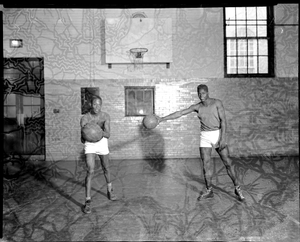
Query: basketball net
x,y
137,56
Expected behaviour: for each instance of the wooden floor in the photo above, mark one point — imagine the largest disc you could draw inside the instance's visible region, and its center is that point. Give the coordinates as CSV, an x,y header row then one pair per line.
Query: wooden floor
x,y
157,202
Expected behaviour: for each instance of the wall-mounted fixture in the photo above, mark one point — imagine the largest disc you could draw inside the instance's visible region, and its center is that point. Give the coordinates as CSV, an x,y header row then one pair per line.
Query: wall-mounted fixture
x,y
16,43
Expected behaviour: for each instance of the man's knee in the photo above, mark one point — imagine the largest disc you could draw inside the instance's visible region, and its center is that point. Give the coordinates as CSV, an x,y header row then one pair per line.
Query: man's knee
x,y
207,167
105,167
104,163
90,172
208,173
227,164
206,162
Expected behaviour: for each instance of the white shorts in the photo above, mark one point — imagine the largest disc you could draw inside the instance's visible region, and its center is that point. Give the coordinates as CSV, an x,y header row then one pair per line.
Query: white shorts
x,y
209,138
99,148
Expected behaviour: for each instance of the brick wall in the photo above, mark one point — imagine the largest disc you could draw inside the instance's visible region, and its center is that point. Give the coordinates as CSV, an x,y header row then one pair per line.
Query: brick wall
x,y
261,115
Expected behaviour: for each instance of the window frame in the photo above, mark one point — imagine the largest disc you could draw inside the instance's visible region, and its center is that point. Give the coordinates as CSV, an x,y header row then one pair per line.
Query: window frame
x,y
142,88
19,97
86,94
270,39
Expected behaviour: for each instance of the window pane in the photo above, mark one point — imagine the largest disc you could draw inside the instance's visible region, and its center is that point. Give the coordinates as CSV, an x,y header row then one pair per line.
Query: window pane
x,y
34,63
27,100
252,47
37,73
230,31
263,64
261,13
251,31
148,96
140,109
31,100
262,22
27,111
131,109
241,31
131,96
36,100
251,22
10,99
242,65
231,47
241,22
242,44
139,96
231,65
263,46
251,13
241,13
148,110
261,31
10,112
12,75
36,111
139,102
252,64
230,13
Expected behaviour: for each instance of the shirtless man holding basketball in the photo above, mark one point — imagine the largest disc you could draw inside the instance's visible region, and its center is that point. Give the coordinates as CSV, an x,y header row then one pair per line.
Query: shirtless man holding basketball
x,y
100,148
213,135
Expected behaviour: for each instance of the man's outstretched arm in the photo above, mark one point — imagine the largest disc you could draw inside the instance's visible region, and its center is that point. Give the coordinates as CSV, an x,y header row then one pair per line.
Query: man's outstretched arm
x,y
178,114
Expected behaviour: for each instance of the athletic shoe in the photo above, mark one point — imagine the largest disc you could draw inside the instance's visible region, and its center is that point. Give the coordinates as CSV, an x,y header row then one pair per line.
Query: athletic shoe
x,y
208,194
111,196
87,206
239,194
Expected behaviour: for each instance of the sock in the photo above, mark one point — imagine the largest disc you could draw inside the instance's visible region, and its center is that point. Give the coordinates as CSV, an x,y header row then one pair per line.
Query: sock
x,y
109,185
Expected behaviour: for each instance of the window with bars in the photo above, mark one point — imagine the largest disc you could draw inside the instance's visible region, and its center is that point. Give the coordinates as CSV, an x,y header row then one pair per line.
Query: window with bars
x,y
23,81
30,105
249,48
87,93
139,101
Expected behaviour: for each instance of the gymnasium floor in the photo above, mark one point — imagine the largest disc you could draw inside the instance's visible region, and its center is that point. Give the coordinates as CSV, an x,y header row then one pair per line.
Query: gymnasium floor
x,y
157,202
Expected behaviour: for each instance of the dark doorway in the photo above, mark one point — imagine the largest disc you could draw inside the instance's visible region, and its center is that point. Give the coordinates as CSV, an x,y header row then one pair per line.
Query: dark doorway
x,y
24,107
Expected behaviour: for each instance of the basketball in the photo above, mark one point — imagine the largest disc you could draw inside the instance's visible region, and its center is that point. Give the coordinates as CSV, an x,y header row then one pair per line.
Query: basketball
x,y
92,132
150,121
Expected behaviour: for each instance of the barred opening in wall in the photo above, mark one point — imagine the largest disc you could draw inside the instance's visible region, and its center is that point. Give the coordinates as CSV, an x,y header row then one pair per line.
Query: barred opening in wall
x,y
87,94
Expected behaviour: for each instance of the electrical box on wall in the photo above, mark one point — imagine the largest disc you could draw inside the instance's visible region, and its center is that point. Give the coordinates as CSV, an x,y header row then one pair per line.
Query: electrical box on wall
x,y
16,43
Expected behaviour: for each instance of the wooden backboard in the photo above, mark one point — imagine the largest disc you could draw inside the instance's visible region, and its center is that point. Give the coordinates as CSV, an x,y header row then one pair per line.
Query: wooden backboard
x,y
123,34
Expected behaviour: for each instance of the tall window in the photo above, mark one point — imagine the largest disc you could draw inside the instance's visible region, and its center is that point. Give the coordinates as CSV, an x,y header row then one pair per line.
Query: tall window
x,y
249,44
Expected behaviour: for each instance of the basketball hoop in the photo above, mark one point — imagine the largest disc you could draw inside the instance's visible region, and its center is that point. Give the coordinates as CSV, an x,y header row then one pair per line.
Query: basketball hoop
x,y
137,55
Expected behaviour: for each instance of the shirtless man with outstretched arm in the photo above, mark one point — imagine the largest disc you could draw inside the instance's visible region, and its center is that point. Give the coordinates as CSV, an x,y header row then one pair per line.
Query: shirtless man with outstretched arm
x,y
212,118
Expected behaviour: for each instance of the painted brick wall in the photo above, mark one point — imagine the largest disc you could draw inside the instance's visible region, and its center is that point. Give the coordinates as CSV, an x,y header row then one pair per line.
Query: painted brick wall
x,y
262,113
262,118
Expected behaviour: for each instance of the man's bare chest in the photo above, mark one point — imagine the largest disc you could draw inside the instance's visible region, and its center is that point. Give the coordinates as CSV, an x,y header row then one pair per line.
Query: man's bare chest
x,y
97,118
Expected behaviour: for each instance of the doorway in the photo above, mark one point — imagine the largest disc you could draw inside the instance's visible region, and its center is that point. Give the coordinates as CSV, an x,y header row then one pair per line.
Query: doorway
x,y
24,107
